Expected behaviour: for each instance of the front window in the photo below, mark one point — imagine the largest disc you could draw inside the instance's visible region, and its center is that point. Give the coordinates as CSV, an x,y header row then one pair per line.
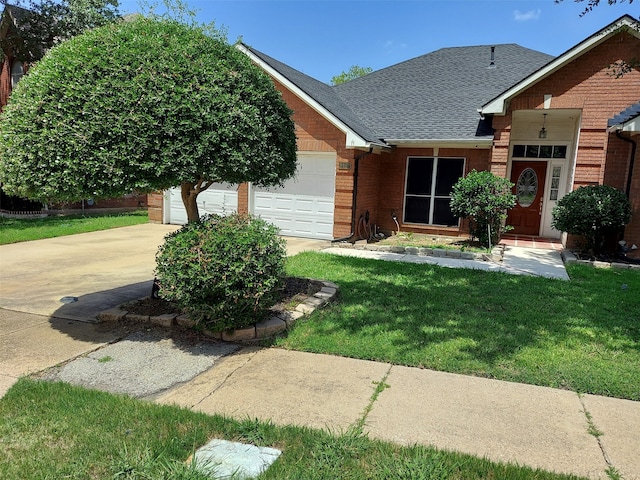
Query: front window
x,y
17,71
428,190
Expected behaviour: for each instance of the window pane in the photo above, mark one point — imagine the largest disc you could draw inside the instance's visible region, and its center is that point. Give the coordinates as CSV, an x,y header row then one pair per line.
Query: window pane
x,y
518,151
419,176
442,213
532,151
545,151
560,151
448,173
417,210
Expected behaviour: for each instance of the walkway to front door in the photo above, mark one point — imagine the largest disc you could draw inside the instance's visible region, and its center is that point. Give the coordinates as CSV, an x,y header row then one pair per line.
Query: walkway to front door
x,y
530,241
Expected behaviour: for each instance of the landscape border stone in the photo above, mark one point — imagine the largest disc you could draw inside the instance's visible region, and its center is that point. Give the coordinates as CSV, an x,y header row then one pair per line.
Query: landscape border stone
x,y
423,251
569,257
273,325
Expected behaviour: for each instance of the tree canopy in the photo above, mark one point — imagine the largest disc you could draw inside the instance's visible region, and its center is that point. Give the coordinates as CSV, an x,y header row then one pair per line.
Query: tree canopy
x,y
41,24
143,105
354,72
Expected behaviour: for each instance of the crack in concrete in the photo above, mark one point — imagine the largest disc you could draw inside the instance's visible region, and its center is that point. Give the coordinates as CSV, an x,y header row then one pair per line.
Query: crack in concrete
x,y
594,431
380,387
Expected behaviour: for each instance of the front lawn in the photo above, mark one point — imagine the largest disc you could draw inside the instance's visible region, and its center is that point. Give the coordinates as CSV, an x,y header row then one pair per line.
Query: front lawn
x,y
55,431
582,335
14,230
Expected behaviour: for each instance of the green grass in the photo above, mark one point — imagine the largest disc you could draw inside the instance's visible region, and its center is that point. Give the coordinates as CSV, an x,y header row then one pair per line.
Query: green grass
x,y
14,230
54,431
582,335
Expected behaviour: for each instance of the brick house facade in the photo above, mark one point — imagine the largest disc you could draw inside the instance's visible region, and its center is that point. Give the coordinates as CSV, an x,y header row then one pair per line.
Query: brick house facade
x,y
495,127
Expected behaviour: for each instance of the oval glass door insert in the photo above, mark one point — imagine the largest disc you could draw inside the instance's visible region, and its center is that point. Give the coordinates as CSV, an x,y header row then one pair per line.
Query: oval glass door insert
x,y
527,187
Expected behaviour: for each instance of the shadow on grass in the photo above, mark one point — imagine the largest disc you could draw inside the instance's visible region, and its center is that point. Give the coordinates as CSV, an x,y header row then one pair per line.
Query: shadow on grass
x,y
512,327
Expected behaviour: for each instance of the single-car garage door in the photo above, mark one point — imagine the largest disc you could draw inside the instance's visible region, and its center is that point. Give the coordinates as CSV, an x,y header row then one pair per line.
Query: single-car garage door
x,y
304,206
220,198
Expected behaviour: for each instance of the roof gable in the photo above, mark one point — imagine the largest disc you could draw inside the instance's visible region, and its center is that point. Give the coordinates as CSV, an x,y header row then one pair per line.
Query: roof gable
x,y
499,104
319,96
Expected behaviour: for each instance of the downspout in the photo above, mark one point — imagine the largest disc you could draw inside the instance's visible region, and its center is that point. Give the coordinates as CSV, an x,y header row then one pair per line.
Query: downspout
x,y
354,197
634,146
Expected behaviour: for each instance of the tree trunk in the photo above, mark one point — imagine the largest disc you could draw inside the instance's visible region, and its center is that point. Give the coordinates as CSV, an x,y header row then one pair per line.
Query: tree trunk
x,y
189,194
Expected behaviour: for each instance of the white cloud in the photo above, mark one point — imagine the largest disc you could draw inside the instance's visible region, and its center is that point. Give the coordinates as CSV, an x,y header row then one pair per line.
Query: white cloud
x,y
526,16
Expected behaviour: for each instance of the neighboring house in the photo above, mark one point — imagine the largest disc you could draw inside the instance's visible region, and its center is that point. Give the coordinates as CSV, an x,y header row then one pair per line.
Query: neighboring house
x,y
387,147
14,66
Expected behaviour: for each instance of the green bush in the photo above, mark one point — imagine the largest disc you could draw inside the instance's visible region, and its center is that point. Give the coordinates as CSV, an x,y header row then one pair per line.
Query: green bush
x,y
594,212
225,271
484,199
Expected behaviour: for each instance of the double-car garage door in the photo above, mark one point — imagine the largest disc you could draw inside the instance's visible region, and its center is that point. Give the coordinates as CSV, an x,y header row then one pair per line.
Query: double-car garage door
x,y
302,208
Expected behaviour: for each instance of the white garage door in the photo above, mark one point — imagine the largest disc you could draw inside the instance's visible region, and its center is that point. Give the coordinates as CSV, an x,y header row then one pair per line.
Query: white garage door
x,y
220,198
304,206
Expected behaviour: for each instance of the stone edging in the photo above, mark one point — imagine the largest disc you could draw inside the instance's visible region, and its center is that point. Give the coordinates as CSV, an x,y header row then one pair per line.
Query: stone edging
x,y
273,325
496,253
569,257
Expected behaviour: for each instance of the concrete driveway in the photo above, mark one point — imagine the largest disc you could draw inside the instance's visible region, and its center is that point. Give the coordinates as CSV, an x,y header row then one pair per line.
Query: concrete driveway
x,y
99,269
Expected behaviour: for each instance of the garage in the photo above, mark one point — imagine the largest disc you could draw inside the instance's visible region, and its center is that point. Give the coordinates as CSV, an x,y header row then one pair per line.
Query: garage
x,y
304,206
220,198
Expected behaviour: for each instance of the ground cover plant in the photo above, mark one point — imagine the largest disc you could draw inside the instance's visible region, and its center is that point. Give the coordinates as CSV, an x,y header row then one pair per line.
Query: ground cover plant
x,y
582,335
55,430
14,230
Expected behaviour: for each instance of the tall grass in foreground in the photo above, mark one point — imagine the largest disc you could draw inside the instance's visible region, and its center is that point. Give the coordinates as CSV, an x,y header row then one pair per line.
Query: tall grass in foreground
x,y
582,335
54,431
13,230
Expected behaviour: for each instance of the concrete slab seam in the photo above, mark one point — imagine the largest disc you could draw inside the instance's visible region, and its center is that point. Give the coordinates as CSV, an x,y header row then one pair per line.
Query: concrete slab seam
x,y
380,387
594,431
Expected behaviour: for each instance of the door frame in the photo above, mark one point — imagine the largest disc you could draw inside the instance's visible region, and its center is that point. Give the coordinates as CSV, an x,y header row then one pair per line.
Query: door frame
x,y
567,165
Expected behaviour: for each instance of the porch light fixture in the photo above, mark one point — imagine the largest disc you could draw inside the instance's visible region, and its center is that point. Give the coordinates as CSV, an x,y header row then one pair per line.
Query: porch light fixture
x,y
543,131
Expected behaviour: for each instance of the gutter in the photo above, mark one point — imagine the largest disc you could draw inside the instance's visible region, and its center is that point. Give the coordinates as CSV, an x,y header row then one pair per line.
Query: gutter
x,y
354,197
634,146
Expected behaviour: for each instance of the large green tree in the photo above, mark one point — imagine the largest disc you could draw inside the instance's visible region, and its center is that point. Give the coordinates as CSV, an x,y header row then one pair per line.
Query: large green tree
x,y
142,106
354,72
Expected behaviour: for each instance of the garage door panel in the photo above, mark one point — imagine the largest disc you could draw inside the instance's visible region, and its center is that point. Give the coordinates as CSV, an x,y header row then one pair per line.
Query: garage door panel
x,y
304,206
220,198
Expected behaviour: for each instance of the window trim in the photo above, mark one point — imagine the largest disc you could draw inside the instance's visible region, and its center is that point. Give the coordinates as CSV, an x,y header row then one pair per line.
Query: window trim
x,y
16,76
432,196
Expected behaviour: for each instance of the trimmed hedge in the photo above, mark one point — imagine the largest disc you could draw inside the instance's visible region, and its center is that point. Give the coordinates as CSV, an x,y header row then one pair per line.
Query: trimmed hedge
x,y
225,271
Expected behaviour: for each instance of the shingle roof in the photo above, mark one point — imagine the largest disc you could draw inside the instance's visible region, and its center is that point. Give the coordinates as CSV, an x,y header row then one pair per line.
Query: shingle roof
x,y
322,94
627,114
431,97
436,96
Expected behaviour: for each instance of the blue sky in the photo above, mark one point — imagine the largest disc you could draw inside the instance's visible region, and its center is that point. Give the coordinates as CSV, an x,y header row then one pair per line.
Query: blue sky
x,y
324,38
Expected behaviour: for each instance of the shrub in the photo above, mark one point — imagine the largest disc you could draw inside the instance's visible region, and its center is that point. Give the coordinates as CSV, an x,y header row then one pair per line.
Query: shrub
x,y
225,271
484,199
594,212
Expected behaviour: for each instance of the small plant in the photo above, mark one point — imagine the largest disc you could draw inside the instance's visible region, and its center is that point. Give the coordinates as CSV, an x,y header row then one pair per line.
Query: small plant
x,y
484,199
225,271
595,212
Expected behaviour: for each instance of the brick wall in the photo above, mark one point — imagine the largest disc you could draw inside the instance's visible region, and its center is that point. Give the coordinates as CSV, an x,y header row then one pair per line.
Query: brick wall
x,y
392,170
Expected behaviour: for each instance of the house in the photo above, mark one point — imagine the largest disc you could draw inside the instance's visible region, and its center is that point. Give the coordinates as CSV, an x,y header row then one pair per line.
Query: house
x,y
382,151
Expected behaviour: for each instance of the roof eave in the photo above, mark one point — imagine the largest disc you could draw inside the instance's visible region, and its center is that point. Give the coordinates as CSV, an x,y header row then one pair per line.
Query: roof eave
x,y
481,143
353,140
631,126
500,104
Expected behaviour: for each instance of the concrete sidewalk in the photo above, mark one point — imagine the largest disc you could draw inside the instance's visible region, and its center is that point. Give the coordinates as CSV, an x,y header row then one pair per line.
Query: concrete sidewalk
x,y
508,422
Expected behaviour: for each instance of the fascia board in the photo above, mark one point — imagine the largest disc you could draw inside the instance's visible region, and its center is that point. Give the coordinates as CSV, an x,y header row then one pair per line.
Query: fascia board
x,y
353,140
632,126
442,143
499,105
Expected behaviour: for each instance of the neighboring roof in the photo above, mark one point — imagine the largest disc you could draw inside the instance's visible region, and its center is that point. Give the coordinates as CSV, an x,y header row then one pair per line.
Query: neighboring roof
x,y
319,96
628,120
499,104
435,96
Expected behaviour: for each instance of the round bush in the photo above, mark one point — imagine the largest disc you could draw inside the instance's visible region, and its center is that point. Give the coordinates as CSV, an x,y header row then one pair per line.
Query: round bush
x,y
225,271
484,199
594,212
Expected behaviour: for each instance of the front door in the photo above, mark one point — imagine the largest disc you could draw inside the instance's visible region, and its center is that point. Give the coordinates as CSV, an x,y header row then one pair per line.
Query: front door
x,y
528,178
